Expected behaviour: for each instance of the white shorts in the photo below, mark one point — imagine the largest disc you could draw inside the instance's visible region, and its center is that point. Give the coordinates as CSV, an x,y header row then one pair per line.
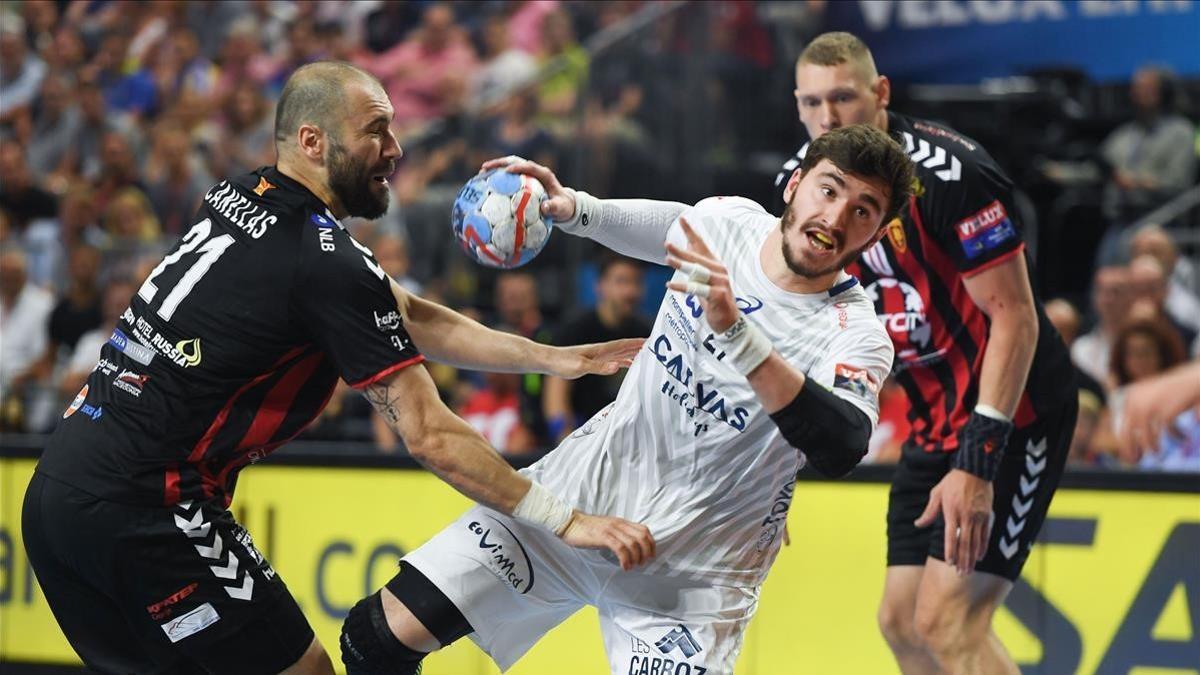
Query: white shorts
x,y
514,583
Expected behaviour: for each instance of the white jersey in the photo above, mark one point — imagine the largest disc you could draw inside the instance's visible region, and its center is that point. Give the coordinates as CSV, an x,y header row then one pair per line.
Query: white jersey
x,y
686,448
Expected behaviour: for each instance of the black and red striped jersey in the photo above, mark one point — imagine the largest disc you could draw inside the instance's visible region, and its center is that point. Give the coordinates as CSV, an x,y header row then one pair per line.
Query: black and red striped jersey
x,y
231,346
960,222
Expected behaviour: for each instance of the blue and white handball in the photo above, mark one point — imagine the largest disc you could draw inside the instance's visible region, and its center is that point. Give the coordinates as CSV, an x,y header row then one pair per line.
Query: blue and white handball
x,y
498,221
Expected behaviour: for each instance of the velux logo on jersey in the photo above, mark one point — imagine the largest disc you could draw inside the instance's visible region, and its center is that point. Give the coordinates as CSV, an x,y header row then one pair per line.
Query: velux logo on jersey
x,y
679,637
985,230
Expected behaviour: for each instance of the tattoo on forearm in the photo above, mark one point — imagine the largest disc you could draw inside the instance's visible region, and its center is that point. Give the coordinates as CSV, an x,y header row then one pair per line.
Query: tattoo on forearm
x,y
384,400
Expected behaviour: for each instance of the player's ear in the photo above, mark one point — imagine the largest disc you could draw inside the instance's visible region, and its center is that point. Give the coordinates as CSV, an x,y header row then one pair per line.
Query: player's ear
x,y
883,91
792,184
311,141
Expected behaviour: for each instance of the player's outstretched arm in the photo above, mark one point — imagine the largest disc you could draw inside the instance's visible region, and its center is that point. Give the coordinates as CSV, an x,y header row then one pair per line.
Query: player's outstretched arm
x,y
444,335
456,453
633,227
832,432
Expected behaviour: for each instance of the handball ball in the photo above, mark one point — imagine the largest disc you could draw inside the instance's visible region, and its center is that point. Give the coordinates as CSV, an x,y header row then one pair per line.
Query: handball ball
x,y
498,221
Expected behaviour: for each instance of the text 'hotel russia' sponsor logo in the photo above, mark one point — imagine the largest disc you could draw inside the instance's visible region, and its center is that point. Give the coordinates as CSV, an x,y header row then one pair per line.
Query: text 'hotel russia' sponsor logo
x,y
504,554
147,341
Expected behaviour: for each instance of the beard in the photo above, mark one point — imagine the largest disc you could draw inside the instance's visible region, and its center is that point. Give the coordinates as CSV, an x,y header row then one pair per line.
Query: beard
x,y
353,185
797,264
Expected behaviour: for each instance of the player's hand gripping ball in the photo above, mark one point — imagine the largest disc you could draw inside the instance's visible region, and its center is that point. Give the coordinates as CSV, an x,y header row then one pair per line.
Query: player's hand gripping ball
x,y
498,221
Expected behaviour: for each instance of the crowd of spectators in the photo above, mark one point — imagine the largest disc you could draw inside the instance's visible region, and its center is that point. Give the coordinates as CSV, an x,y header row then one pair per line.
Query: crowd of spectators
x,y
117,116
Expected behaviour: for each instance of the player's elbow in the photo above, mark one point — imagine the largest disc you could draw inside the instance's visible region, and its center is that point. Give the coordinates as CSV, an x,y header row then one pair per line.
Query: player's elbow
x,y
841,456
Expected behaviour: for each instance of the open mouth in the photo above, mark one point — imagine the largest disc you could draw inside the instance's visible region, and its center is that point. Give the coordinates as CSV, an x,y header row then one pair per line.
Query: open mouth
x,y
820,241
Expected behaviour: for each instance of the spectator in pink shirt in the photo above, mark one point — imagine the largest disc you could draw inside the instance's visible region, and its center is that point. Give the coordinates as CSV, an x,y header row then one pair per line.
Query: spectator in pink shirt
x,y
426,74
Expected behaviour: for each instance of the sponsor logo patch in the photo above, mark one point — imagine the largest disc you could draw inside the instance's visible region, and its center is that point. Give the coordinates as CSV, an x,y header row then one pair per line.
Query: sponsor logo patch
x,y
75,404
191,623
130,382
985,230
895,231
854,379
504,554
164,608
105,367
263,186
131,348
388,322
679,638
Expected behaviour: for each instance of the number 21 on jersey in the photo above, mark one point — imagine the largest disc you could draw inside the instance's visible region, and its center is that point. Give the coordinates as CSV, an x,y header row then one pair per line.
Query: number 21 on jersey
x,y
208,251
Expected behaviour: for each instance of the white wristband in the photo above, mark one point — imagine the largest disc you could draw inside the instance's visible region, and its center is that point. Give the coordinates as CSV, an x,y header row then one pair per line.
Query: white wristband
x,y
988,411
541,507
744,345
585,214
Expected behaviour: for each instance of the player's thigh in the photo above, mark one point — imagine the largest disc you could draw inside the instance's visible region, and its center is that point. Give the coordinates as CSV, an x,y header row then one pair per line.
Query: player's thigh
x,y
961,606
191,580
56,526
511,582
1029,474
917,473
673,630
898,606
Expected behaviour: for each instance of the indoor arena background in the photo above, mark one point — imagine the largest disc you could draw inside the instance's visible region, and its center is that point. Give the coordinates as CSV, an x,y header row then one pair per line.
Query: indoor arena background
x,y
116,117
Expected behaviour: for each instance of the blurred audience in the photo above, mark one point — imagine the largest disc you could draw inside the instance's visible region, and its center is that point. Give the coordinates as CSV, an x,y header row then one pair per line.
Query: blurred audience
x,y
1142,349
426,75
1066,320
1111,299
114,301
1148,286
1182,303
619,290
1150,157
24,322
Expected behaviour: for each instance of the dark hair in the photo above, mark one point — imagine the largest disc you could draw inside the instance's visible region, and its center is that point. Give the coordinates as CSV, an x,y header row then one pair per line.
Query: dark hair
x,y
868,152
1166,341
315,94
608,260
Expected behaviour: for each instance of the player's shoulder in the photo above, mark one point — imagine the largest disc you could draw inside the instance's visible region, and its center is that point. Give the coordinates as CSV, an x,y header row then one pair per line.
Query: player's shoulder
x,y
258,202
941,156
728,212
726,221
854,310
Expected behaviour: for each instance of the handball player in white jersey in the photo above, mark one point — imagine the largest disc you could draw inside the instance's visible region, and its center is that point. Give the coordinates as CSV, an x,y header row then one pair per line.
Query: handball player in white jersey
x,y
765,355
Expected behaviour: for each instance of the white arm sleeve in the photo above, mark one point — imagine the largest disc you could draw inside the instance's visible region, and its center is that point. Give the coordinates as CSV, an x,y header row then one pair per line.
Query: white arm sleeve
x,y
633,227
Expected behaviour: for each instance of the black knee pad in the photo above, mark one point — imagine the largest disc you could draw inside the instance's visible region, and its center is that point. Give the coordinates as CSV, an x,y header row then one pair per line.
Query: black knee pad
x,y
370,648
429,604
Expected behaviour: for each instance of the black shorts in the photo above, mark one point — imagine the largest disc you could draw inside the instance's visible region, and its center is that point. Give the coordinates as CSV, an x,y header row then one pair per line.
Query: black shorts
x,y
140,589
1029,474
